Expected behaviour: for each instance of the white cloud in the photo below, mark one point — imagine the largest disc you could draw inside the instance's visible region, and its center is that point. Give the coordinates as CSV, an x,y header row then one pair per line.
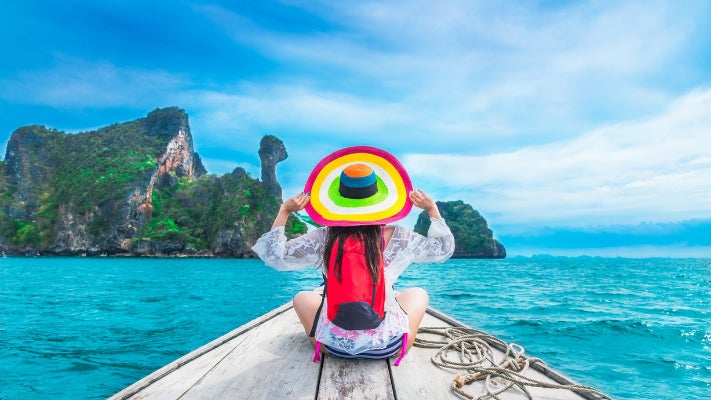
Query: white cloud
x,y
75,83
471,80
481,74
298,108
653,170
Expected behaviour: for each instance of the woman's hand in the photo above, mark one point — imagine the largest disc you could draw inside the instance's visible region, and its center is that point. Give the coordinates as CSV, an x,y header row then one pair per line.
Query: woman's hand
x,y
294,204
421,200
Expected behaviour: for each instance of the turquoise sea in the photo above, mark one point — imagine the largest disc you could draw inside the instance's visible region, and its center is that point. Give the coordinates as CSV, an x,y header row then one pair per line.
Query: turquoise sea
x,y
84,328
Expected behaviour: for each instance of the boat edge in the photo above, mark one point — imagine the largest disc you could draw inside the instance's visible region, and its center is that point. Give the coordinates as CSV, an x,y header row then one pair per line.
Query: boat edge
x,y
164,371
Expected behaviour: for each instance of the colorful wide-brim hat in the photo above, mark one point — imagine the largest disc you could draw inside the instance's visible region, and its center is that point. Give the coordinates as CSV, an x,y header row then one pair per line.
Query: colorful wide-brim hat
x,y
358,185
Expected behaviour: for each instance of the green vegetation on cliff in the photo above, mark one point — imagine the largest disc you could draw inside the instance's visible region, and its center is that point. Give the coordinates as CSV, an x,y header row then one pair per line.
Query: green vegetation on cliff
x,y
135,187
197,211
76,171
472,236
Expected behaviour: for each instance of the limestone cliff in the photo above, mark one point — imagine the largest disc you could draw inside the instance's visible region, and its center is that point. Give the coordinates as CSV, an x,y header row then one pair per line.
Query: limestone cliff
x,y
133,188
271,152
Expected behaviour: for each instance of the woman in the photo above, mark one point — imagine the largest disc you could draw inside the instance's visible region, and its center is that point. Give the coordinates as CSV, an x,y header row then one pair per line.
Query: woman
x,y
356,191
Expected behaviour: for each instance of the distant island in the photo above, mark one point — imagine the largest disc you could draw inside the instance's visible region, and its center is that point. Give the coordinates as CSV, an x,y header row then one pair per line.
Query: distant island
x,y
472,236
138,188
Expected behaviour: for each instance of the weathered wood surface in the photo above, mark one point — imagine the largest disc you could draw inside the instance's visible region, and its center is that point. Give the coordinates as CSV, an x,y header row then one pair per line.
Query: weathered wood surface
x,y
270,358
355,379
418,378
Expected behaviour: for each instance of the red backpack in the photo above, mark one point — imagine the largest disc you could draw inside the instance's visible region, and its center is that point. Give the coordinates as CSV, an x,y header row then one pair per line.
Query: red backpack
x,y
354,301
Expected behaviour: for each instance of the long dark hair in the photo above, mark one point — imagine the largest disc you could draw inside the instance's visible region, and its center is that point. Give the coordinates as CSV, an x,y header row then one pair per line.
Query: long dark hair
x,y
370,235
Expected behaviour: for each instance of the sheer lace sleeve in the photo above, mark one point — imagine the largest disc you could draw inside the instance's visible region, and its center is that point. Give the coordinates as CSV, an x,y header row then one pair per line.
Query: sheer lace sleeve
x,y
406,247
438,246
298,253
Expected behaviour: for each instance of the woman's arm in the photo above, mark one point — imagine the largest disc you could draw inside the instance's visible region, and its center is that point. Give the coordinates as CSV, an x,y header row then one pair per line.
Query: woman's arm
x,y
278,253
294,204
421,200
439,244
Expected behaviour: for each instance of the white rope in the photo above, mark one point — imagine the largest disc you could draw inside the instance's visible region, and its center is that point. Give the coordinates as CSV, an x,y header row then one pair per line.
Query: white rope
x,y
469,350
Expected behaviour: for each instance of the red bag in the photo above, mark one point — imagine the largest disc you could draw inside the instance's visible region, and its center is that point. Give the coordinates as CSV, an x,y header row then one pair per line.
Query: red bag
x,y
354,302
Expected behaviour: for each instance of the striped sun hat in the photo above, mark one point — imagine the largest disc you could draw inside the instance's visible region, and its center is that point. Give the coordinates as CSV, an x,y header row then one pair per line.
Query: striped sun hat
x,y
358,185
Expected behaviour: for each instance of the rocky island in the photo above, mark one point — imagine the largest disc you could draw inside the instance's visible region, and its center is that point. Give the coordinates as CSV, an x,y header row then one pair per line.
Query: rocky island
x,y
138,188
472,236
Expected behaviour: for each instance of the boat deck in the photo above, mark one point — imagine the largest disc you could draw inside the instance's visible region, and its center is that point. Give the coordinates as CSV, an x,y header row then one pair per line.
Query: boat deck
x,y
270,358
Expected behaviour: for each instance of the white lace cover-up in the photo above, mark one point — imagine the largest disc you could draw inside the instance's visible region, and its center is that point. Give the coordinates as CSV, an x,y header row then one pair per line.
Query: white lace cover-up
x,y
404,248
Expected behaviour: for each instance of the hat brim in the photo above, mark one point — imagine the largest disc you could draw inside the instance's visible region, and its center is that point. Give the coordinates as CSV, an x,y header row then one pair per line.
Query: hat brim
x,y
328,207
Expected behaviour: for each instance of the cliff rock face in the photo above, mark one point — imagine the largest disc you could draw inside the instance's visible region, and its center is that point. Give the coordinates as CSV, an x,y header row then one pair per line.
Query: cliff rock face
x,y
179,160
25,149
176,158
134,188
472,236
179,156
271,152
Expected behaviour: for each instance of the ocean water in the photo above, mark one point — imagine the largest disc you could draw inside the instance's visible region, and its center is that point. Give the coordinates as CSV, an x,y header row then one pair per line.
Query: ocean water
x,y
84,328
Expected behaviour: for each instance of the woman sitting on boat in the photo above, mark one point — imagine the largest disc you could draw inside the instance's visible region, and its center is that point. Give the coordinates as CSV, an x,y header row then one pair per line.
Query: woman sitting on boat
x,y
354,193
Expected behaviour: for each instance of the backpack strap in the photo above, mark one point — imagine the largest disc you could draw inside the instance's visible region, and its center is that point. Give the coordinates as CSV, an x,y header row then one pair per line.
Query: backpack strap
x,y
382,250
317,353
318,312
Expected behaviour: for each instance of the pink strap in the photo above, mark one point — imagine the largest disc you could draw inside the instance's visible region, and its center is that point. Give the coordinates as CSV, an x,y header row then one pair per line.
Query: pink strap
x,y
404,350
317,353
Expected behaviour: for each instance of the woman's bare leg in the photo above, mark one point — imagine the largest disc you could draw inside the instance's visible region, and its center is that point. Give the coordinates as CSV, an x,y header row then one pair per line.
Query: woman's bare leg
x,y
306,304
414,301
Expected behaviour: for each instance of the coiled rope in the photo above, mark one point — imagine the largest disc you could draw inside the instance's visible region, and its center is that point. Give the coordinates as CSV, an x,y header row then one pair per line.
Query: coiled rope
x,y
470,349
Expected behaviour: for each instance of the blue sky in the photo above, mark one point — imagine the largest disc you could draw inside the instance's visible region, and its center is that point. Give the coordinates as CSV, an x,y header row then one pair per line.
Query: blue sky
x,y
579,127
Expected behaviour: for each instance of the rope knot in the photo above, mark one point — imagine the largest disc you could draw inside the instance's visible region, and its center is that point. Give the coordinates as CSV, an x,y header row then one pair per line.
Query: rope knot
x,y
470,350
458,381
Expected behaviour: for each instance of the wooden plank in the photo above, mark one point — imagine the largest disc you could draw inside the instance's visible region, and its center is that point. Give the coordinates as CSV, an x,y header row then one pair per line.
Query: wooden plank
x,y
270,357
272,362
280,333
355,380
417,378
173,385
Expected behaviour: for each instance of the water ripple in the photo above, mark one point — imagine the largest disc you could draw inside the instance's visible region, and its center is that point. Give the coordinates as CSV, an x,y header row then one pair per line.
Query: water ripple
x,y
85,328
